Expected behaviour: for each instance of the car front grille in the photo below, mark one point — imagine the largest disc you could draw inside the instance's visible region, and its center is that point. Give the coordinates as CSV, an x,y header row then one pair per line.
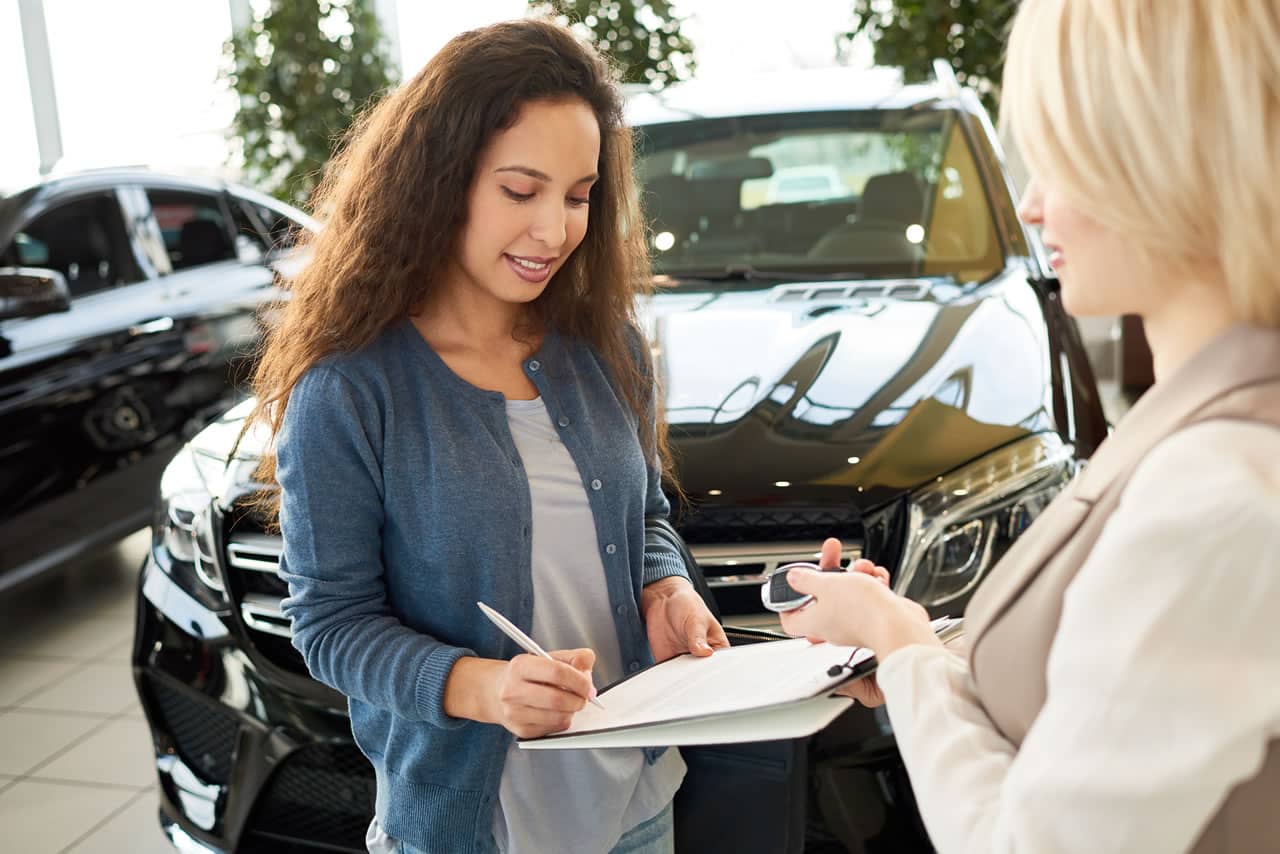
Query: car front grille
x,y
736,547
733,524
203,732
320,795
735,572
252,559
257,557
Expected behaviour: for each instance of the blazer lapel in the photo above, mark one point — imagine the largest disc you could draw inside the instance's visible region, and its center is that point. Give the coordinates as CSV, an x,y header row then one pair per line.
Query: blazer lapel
x,y
1024,560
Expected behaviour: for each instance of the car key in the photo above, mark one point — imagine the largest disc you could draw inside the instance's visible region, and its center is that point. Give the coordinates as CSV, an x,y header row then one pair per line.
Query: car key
x,y
778,595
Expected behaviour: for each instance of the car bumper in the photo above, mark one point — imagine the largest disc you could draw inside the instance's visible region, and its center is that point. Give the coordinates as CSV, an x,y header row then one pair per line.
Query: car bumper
x,y
182,841
244,765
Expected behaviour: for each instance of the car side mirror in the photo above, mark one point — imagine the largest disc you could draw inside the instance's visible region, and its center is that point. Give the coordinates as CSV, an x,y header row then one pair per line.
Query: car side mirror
x,y
32,292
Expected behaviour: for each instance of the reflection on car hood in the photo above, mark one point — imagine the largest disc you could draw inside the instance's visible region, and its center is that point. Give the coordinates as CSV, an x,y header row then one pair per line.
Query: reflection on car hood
x,y
844,400
774,386
219,438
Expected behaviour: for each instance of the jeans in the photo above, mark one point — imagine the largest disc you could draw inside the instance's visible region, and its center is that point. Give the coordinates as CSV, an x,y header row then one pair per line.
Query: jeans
x,y
655,836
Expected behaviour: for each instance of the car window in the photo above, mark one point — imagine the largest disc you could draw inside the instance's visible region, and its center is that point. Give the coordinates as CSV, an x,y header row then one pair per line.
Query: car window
x,y
861,192
194,226
802,186
282,229
248,234
83,239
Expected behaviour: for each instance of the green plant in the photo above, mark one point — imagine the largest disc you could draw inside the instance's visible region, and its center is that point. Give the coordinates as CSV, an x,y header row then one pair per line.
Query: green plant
x,y
303,70
970,34
642,36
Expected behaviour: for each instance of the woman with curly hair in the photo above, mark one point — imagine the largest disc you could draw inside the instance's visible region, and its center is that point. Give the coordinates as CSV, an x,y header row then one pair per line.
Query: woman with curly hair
x,y
464,410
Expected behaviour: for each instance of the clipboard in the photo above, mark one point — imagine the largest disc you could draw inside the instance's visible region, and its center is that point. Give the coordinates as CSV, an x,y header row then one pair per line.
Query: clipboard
x,y
759,692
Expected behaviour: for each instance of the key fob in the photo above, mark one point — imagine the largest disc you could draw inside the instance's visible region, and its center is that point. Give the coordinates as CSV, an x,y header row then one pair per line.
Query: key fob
x,y
777,595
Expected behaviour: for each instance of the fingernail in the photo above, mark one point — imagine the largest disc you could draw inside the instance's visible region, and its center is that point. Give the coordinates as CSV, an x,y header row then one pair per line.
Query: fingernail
x,y
593,693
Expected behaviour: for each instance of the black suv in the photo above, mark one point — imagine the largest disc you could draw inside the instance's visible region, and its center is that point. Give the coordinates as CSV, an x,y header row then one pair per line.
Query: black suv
x,y
856,337
127,306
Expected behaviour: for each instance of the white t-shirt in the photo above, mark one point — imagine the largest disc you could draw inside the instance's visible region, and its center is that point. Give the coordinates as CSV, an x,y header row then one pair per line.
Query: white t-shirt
x,y
567,800
594,796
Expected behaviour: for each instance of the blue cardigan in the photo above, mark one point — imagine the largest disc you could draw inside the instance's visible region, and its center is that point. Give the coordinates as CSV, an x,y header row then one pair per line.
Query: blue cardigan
x,y
404,501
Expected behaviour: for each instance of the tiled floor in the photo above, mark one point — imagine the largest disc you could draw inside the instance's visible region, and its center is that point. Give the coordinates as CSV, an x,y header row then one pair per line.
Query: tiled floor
x,y
75,755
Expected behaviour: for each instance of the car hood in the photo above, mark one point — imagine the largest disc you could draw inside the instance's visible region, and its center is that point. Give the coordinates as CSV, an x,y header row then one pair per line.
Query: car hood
x,y
801,395
796,395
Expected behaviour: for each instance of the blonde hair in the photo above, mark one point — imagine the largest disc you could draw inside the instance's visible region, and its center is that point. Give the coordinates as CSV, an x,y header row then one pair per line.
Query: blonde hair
x,y
1162,119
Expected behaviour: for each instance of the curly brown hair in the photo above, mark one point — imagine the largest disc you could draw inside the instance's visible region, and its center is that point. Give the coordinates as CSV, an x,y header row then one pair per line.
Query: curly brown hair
x,y
394,203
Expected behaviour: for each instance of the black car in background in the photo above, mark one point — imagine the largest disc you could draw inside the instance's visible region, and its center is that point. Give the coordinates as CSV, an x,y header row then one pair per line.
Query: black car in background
x,y
856,337
127,306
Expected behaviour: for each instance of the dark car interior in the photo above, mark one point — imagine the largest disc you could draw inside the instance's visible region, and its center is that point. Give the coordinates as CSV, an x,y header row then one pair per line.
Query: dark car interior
x,y
84,240
890,204
202,241
878,194
194,226
870,228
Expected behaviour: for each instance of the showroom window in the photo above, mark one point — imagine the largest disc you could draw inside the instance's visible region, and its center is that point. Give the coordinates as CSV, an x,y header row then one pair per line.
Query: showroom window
x,y
84,240
194,226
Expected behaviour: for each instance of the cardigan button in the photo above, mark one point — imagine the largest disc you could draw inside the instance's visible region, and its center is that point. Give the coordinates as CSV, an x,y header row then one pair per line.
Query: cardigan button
x,y
633,666
596,484
564,421
622,610
535,365
610,549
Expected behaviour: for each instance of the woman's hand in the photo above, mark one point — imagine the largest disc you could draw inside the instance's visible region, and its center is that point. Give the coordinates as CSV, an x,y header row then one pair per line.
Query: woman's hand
x,y
677,620
856,608
528,695
865,690
537,696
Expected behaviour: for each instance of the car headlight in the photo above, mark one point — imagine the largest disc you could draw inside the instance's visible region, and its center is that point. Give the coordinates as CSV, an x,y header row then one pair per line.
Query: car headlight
x,y
182,532
960,525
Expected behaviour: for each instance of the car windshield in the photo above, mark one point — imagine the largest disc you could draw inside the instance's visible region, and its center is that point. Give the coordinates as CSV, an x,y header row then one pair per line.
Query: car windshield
x,y
866,193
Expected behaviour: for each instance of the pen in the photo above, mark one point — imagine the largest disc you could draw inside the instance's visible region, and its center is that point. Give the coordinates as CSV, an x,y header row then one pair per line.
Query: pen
x,y
525,642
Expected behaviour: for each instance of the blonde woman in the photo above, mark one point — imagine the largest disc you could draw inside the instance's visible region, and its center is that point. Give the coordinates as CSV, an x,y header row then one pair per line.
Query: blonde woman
x,y
1121,691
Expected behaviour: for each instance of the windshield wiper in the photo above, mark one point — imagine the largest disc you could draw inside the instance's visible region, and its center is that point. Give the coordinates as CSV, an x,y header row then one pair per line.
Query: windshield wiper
x,y
748,273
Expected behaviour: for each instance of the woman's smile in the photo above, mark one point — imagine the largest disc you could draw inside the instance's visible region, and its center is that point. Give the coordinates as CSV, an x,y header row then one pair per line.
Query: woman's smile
x,y
532,269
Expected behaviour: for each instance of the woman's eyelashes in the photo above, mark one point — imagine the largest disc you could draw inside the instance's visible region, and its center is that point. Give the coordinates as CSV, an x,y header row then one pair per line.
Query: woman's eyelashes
x,y
576,201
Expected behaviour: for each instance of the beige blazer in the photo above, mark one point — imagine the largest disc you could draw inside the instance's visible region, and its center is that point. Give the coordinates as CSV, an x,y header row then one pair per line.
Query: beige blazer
x,y
1012,621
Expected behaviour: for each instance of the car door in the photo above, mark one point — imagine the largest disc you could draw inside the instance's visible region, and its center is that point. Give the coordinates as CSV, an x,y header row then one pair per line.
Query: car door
x,y
76,401
212,261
